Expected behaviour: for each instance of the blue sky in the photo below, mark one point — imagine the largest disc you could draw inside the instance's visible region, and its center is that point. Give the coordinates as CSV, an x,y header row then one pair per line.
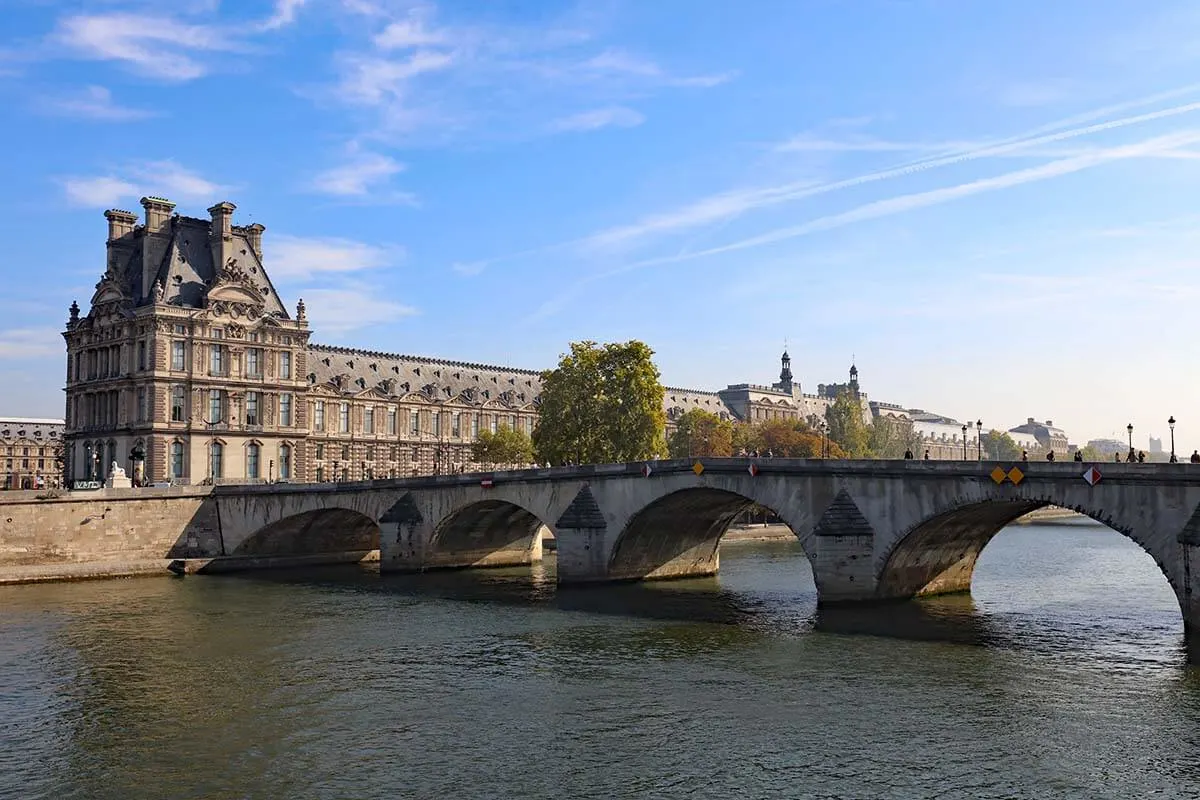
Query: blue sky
x,y
990,206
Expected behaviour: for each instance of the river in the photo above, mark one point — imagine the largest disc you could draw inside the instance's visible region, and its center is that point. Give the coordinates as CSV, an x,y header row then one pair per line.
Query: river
x,y
1062,676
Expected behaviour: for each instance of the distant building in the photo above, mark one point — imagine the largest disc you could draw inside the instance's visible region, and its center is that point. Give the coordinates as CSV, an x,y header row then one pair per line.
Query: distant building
x,y
1108,447
32,451
1045,434
1156,445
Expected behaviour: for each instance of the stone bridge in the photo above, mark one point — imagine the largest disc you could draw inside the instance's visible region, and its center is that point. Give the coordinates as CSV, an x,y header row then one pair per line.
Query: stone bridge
x,y
872,530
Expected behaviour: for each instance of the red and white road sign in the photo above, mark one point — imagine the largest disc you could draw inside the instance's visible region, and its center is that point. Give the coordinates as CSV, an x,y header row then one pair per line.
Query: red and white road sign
x,y
646,471
753,470
486,483
1092,476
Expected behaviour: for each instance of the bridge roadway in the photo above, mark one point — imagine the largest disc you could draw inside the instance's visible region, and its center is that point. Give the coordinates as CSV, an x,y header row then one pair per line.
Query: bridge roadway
x,y
872,530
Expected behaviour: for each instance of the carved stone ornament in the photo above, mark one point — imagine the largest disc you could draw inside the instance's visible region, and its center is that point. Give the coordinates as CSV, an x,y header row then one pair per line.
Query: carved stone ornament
x,y
159,291
235,331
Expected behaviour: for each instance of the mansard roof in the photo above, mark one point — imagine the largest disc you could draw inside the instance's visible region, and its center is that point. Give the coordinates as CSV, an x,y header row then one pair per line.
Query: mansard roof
x,y
422,378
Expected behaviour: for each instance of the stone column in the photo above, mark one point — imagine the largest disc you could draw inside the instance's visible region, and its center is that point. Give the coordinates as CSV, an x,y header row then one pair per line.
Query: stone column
x,y
403,536
843,562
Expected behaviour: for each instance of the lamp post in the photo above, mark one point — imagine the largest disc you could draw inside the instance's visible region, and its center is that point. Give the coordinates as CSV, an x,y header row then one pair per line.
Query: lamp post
x,y
979,440
138,456
1129,428
964,432
1171,423
212,444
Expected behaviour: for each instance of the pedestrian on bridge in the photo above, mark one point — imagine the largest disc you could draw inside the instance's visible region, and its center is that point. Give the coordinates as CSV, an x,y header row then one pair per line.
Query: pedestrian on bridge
x,y
1050,456
908,455
1196,456
1079,455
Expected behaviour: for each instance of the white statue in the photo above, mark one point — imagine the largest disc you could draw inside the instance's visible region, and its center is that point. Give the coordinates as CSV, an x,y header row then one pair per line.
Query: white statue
x,y
117,471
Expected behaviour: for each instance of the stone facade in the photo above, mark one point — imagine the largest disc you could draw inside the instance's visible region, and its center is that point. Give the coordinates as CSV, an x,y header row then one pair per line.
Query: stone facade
x,y
33,451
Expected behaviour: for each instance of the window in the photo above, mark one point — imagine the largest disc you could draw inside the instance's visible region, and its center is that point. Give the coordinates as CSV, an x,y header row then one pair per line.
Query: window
x,y
391,421
254,362
254,337
456,425
345,452
141,404
177,397
176,460
495,420
475,425
216,364
320,474
216,451
319,416
141,355
285,366
437,423
529,425
178,358
214,406
285,462
218,333
285,409
320,451
252,408
181,330
369,419
344,418
392,453
252,453
415,421
371,453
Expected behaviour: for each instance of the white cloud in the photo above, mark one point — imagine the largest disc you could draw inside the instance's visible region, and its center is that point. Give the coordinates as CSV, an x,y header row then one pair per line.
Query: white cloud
x,y
94,102
156,46
372,80
159,178
299,258
1031,95
283,15
410,32
619,62
31,343
360,174
335,311
611,117
469,269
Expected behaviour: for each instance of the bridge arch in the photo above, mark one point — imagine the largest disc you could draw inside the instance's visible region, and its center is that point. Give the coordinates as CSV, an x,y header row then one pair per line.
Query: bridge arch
x,y
677,534
316,532
938,555
489,532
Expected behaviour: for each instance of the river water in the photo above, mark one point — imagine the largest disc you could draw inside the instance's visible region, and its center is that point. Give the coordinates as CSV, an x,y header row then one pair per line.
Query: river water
x,y
1063,676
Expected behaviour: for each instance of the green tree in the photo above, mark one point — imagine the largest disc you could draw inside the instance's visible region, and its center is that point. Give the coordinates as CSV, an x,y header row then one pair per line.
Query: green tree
x,y
846,427
784,439
602,404
505,446
999,446
701,433
889,437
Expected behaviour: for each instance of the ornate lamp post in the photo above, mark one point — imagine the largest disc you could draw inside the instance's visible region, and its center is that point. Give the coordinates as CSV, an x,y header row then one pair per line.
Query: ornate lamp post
x,y
1171,423
138,456
964,431
1129,428
979,440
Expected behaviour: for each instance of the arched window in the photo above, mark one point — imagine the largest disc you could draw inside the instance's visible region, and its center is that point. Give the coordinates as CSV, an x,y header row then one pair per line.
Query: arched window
x,y
216,451
252,459
285,462
89,463
176,461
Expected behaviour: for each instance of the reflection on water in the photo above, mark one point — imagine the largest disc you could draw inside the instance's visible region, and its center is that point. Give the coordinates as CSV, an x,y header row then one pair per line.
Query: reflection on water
x,y
1061,676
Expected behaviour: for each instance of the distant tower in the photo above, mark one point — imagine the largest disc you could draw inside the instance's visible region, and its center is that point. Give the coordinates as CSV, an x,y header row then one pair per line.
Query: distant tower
x,y
854,379
785,372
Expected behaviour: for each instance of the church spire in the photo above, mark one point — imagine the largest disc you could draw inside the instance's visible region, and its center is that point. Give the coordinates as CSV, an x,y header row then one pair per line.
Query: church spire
x,y
785,371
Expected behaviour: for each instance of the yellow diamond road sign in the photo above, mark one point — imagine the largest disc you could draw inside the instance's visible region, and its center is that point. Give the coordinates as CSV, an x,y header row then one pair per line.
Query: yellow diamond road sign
x,y
1015,475
998,475
697,468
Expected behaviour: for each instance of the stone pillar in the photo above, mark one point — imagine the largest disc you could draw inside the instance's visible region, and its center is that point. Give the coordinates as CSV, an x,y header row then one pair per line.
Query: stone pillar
x,y
581,537
403,536
1189,590
154,242
842,565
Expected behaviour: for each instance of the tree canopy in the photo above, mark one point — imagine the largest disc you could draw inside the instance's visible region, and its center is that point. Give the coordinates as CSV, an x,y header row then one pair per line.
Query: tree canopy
x,y
601,404
701,433
505,446
846,426
999,446
784,439
889,437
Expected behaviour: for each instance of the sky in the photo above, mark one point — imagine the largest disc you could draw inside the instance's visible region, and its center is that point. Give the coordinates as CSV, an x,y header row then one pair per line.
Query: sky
x,y
990,207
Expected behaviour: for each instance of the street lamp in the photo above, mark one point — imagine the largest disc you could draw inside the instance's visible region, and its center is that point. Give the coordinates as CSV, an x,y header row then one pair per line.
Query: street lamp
x,y
138,456
1129,428
1171,422
964,430
979,440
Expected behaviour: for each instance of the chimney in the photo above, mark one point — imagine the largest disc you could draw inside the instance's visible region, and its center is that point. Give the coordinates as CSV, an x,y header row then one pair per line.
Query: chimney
x,y
156,240
1029,420
1049,423
254,234
220,235
120,223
